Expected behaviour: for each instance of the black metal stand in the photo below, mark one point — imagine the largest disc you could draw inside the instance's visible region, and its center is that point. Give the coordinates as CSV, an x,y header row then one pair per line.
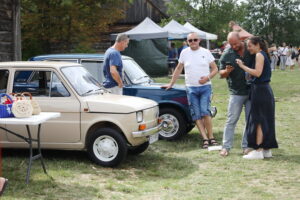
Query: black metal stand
x,y
32,157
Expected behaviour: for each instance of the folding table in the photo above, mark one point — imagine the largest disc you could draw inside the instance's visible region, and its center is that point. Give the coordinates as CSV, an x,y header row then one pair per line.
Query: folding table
x,y
33,120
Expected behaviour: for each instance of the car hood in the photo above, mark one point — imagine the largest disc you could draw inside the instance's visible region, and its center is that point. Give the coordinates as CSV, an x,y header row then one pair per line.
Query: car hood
x,y
111,103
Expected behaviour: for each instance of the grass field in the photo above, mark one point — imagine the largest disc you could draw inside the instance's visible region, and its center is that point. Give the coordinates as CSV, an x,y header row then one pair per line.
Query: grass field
x,y
175,170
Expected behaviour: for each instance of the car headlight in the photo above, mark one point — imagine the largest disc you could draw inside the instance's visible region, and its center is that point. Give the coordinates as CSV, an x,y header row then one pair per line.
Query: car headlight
x,y
139,116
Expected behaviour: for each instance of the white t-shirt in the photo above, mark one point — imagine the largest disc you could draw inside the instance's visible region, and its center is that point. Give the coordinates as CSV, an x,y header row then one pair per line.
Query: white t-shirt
x,y
283,51
196,64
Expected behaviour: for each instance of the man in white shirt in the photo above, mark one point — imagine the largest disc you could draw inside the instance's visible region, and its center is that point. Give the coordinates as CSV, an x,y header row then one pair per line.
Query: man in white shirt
x,y
199,66
283,51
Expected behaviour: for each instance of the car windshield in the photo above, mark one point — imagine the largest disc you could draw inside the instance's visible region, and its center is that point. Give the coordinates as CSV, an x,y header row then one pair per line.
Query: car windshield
x,y
135,72
82,81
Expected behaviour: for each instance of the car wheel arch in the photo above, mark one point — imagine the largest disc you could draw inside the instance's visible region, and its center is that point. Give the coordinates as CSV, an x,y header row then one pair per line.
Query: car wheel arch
x,y
103,124
174,106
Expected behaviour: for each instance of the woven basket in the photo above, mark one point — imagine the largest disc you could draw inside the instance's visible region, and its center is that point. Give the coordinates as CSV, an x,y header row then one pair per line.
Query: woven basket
x,y
35,105
22,107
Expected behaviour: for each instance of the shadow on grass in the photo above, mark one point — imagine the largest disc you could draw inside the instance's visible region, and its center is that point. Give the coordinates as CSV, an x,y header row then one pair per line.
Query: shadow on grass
x,y
190,142
149,164
44,189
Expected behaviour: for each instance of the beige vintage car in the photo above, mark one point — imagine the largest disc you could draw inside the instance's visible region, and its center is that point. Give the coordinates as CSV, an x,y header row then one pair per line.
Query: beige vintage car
x,y
108,126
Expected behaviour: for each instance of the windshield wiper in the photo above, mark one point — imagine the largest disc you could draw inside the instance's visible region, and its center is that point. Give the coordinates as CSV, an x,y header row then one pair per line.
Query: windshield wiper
x,y
89,91
141,78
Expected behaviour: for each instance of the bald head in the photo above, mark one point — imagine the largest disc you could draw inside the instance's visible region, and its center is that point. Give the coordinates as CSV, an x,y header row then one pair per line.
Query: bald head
x,y
233,35
234,40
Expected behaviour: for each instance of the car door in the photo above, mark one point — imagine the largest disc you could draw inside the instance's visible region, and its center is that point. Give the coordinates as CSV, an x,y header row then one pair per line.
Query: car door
x,y
53,95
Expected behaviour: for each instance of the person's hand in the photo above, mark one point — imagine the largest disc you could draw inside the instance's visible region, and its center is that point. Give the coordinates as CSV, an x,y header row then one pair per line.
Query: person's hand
x,y
167,86
239,62
203,80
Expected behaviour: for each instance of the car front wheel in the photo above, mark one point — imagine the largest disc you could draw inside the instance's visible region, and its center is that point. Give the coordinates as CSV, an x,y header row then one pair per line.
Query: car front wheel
x,y
174,124
107,147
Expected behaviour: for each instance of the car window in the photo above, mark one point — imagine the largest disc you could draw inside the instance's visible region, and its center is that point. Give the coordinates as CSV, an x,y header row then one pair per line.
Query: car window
x,y
82,81
3,80
95,68
39,83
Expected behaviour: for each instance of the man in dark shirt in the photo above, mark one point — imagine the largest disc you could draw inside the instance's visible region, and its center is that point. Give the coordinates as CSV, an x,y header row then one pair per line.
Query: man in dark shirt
x,y
238,88
113,66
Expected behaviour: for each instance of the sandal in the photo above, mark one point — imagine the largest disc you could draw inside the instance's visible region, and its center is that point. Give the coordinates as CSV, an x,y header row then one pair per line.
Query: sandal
x,y
213,142
205,144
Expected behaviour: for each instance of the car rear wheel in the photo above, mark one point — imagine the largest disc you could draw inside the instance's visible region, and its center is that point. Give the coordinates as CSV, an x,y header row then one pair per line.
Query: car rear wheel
x,y
107,147
138,149
174,124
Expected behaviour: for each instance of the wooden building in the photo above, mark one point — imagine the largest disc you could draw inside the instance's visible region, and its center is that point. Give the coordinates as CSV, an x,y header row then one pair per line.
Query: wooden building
x,y
10,33
135,13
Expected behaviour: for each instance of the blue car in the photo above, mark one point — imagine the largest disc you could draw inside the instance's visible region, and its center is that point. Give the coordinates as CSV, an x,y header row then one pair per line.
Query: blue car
x,y
173,103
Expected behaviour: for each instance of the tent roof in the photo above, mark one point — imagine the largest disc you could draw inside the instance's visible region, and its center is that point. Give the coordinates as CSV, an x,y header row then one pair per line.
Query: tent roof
x,y
147,29
242,33
202,34
176,30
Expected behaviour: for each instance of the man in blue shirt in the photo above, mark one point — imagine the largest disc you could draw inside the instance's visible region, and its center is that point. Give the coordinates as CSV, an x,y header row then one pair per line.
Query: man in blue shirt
x,y
113,66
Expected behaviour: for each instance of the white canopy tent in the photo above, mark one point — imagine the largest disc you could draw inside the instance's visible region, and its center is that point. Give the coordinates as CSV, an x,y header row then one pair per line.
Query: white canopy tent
x,y
148,47
202,34
147,29
176,30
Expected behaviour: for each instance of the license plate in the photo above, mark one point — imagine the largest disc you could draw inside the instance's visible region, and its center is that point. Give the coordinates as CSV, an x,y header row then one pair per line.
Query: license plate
x,y
153,138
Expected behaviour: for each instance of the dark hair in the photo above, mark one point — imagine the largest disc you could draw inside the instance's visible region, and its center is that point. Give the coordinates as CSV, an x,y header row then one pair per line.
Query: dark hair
x,y
262,43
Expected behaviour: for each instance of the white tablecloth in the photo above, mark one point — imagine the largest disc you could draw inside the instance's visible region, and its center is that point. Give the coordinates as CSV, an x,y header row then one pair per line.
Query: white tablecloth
x,y
33,120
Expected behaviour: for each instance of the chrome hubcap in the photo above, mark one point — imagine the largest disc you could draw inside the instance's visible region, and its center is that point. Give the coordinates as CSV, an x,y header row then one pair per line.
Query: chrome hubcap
x,y
105,148
170,125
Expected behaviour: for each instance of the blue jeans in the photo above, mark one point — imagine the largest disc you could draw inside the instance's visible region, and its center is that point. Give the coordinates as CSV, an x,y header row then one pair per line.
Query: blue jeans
x,y
199,101
235,106
282,62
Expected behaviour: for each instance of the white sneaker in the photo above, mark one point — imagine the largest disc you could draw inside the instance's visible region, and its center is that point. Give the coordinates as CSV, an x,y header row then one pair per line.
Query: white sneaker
x,y
267,153
258,155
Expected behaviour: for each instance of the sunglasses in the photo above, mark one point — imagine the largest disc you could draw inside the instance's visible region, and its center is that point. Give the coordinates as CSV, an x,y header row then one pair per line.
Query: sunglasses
x,y
193,40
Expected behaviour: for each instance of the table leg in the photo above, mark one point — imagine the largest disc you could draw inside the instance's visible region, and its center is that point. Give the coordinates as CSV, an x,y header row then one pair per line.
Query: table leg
x,y
39,149
30,156
37,156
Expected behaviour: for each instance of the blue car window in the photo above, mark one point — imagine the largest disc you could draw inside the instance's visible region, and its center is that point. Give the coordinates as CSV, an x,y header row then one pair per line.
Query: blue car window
x,y
38,83
57,87
3,80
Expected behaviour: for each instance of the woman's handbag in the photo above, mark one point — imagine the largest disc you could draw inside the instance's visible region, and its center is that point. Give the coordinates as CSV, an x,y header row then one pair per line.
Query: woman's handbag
x,y
35,105
22,107
6,106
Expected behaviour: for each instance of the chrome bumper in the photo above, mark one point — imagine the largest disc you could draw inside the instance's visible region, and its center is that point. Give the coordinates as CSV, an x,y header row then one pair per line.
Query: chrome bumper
x,y
147,132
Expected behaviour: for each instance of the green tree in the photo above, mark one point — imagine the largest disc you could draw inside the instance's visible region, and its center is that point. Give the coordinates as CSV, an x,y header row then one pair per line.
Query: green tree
x,y
208,15
276,20
65,24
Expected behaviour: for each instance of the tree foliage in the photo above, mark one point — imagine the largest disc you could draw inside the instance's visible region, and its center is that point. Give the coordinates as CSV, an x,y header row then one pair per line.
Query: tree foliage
x,y
276,20
208,15
65,24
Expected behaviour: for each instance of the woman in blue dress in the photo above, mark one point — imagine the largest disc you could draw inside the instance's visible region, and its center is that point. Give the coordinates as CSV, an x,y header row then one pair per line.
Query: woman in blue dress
x,y
260,126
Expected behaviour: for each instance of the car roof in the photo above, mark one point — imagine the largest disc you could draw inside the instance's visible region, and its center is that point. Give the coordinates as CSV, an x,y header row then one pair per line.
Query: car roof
x,y
42,64
72,56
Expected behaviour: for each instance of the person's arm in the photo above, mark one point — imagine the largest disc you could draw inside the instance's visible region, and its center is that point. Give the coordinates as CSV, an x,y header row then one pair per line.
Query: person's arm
x,y
224,70
175,76
213,72
259,64
116,76
224,73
